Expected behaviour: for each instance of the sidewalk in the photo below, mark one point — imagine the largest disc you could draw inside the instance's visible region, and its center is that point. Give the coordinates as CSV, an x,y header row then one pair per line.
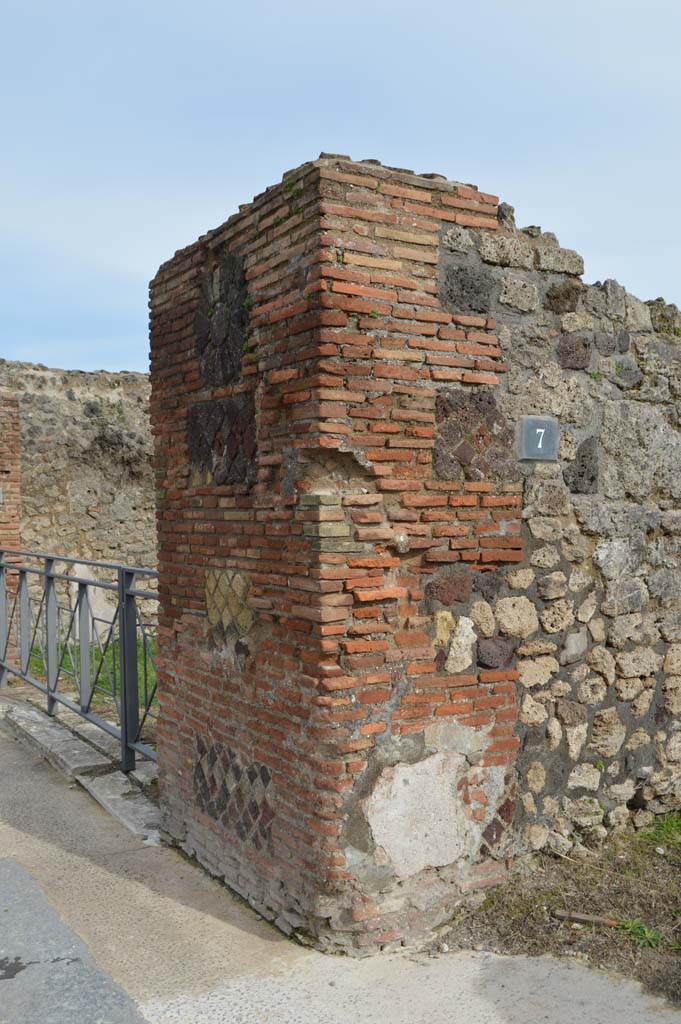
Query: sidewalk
x,y
98,928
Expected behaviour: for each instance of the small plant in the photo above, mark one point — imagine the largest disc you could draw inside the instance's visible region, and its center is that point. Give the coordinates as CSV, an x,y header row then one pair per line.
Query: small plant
x,y
374,315
600,765
277,221
665,831
296,210
378,187
676,331
640,934
340,258
596,375
248,302
292,189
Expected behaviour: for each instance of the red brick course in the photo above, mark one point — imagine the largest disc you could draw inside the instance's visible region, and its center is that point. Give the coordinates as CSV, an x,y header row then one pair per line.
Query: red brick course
x,y
10,474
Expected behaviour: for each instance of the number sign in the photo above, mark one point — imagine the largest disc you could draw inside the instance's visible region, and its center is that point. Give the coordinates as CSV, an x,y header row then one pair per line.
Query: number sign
x,y
539,438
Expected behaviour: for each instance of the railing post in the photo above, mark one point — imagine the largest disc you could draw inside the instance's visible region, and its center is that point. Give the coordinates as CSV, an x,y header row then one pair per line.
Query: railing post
x,y
84,679
24,622
51,638
4,621
127,626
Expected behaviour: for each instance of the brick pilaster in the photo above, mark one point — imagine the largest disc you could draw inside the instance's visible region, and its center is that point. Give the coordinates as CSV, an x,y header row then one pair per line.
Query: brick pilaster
x,y
299,353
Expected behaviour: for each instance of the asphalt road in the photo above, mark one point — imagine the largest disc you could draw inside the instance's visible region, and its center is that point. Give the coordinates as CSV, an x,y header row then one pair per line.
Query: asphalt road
x,y
96,928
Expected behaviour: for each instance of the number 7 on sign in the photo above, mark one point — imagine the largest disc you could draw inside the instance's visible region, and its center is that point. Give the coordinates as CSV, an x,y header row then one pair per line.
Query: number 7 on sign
x,y
539,438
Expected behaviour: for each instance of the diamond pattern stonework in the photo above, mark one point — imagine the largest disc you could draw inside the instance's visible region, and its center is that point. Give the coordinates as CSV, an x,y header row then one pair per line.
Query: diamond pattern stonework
x,y
233,792
227,601
222,439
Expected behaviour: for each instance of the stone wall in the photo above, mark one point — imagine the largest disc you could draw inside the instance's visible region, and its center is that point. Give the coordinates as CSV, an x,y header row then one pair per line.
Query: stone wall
x,y
86,472
597,605
393,656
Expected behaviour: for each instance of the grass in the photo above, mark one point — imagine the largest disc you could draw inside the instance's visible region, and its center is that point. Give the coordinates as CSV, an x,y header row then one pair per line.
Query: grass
x,y
102,669
640,934
665,831
634,879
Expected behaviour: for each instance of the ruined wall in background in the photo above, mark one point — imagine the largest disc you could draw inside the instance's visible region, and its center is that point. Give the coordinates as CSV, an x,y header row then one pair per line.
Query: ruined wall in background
x,y
86,473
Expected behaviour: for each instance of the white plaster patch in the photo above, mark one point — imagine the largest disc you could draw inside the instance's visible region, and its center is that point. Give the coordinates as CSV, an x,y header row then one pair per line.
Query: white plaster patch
x,y
417,817
447,737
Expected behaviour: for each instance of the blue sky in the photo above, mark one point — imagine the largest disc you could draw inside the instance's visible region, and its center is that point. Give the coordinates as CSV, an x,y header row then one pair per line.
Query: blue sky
x,y
128,129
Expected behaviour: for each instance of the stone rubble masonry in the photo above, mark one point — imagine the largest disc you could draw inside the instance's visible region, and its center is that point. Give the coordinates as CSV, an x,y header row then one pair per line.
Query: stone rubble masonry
x,y
86,475
394,658
297,483
600,669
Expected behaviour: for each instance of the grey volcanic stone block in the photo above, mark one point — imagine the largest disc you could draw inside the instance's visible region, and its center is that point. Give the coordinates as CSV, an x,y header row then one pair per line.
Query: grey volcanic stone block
x,y
493,652
626,374
606,344
563,297
468,289
574,352
581,476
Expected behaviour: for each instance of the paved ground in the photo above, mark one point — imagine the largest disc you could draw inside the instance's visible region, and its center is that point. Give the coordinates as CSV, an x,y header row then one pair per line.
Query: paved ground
x,y
44,964
97,928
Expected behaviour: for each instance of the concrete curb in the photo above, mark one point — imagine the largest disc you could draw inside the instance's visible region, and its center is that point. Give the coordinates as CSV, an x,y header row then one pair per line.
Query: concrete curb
x,y
71,756
124,802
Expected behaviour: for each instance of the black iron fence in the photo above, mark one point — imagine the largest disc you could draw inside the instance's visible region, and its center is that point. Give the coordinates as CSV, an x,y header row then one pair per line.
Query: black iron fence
x,y
84,633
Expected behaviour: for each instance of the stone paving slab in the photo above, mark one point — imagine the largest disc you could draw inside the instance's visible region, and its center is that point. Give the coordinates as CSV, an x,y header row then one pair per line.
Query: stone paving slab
x,y
126,803
145,774
92,734
59,746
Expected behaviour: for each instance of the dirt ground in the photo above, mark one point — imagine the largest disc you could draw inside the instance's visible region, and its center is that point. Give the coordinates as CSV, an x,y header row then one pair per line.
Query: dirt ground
x,y
634,879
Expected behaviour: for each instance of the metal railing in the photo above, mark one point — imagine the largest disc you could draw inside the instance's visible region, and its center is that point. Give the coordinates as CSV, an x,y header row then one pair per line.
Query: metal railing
x,y
84,633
